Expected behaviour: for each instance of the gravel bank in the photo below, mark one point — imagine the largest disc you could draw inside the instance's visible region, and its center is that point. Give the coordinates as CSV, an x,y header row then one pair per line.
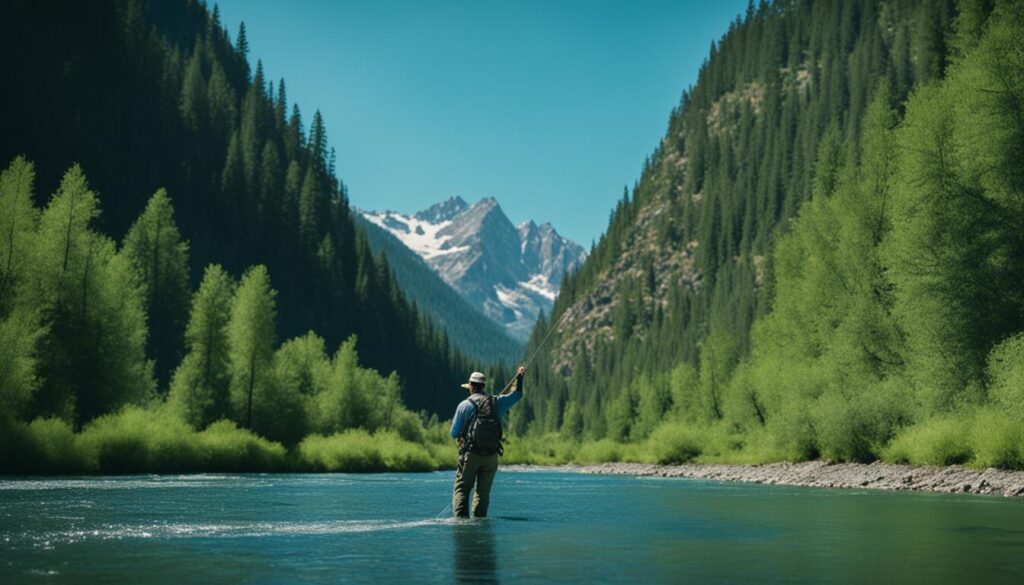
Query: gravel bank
x,y
952,479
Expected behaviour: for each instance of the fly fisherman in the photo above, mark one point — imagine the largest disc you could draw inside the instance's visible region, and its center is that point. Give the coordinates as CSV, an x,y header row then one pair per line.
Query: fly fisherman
x,y
477,429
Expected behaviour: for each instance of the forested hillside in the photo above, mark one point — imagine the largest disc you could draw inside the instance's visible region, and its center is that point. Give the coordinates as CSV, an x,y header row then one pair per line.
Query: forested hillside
x,y
155,95
823,257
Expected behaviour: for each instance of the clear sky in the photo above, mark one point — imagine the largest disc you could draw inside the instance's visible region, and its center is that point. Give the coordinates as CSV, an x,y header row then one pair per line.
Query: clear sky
x,y
550,106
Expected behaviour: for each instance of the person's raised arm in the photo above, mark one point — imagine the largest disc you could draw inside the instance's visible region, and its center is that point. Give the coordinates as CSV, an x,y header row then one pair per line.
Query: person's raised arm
x,y
518,383
506,399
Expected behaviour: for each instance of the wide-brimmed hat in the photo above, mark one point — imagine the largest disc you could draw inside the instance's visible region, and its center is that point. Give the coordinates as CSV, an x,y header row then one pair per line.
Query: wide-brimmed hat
x,y
475,378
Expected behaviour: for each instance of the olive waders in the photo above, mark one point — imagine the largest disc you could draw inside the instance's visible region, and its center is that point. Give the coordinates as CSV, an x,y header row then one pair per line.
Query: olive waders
x,y
479,470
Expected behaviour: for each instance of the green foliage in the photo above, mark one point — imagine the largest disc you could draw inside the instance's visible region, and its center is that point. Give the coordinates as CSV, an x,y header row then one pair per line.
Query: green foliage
x,y
138,439
47,445
956,249
1006,376
135,440
943,440
154,247
226,447
684,393
19,333
251,342
357,398
357,450
94,356
621,414
675,443
18,222
301,364
200,386
997,439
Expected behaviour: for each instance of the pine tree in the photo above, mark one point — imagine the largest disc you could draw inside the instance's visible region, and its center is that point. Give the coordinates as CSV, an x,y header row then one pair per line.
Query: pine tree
x,y
193,93
242,48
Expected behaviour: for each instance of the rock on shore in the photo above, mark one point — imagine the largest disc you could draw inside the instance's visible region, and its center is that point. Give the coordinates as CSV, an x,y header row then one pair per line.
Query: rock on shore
x,y
952,479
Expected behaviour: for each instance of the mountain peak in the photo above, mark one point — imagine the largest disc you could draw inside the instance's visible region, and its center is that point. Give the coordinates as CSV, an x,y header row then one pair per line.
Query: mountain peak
x,y
527,226
486,204
511,273
443,211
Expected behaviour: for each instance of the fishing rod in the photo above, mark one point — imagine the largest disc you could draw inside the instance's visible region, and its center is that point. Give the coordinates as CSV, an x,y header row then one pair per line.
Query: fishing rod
x,y
529,361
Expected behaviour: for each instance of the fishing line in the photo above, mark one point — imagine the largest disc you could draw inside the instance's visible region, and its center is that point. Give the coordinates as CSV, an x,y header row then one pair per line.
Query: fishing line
x,y
443,512
539,347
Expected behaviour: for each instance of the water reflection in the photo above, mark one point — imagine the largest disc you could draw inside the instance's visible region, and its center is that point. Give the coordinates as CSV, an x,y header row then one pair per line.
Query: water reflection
x,y
475,558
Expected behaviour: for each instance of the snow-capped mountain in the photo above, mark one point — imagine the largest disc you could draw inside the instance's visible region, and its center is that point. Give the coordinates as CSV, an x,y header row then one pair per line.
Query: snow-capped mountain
x,y
510,273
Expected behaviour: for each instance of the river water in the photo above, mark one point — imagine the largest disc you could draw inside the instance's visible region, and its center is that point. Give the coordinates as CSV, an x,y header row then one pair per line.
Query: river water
x,y
545,527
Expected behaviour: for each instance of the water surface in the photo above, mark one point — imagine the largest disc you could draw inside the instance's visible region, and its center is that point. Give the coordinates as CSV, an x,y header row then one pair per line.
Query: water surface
x,y
545,526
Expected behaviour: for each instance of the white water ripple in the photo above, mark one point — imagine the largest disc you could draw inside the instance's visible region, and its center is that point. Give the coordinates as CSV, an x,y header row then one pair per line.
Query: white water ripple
x,y
221,530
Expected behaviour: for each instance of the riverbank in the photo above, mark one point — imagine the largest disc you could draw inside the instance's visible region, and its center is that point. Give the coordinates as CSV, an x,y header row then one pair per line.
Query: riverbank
x,y
881,476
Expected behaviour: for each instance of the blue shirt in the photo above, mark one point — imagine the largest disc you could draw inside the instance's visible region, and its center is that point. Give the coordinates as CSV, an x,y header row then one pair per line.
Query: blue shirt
x,y
464,413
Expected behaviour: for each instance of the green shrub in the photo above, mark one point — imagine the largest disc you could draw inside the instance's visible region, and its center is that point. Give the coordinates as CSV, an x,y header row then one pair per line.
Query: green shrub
x,y
139,440
44,446
603,451
546,449
408,425
1006,375
675,443
399,454
225,447
356,450
156,440
938,441
352,450
56,449
997,440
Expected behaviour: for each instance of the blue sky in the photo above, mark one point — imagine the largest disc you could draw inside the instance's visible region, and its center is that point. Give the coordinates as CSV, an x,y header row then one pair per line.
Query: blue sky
x,y
549,106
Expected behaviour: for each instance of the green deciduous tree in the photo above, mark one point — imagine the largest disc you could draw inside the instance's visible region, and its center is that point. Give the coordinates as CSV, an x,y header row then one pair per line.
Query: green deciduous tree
x,y
18,223
160,258
355,397
200,388
93,357
251,342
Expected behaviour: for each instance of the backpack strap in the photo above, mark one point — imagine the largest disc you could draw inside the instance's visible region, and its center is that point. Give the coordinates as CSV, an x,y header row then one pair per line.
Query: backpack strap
x,y
469,423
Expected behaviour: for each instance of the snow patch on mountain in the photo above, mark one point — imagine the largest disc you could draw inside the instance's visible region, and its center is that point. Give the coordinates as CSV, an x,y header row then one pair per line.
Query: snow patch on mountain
x,y
420,236
511,273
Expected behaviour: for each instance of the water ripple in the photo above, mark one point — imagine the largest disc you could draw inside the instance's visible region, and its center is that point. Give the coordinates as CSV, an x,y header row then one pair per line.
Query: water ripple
x,y
47,540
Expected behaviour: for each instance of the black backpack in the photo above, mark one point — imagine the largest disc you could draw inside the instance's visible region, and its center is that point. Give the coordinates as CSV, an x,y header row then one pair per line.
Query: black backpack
x,y
483,435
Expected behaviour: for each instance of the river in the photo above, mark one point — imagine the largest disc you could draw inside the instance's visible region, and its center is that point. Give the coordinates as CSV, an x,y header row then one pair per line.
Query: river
x,y
545,527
